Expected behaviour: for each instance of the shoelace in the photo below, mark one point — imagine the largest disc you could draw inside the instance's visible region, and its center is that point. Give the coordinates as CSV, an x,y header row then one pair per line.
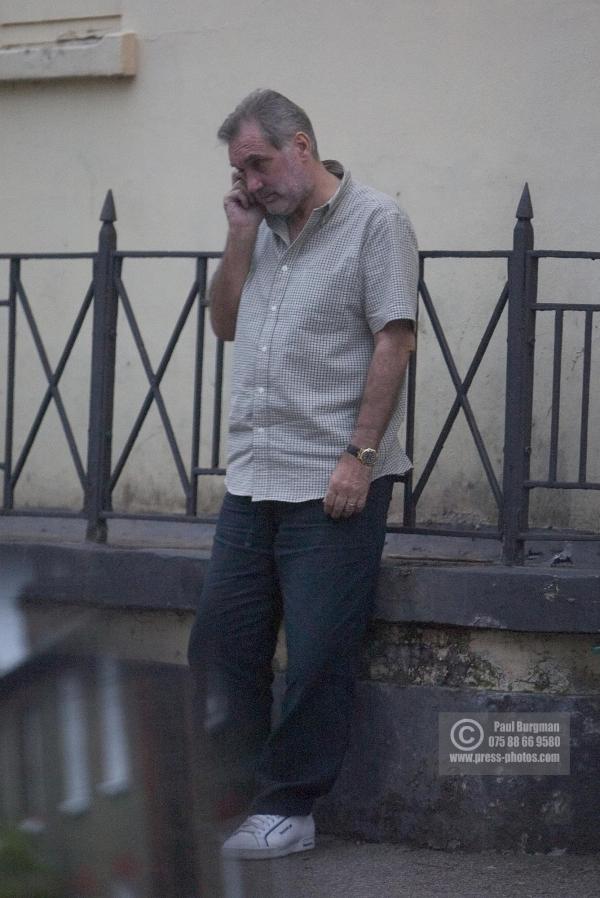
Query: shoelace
x,y
258,823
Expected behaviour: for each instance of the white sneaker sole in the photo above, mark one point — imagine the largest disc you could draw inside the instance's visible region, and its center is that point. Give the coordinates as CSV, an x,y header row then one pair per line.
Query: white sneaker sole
x,y
258,854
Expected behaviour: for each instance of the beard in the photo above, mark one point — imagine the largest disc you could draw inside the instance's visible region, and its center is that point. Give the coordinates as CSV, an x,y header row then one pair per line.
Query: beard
x,y
287,197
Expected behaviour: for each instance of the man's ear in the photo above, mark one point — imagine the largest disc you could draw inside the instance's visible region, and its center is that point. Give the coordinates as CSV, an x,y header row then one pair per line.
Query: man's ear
x,y
303,145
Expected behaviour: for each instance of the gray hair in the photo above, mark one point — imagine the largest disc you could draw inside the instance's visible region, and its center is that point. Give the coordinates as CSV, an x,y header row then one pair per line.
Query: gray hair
x,y
278,118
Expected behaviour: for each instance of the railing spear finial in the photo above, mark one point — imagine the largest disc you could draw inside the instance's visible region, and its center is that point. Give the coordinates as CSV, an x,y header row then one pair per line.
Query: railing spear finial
x,y
108,213
525,209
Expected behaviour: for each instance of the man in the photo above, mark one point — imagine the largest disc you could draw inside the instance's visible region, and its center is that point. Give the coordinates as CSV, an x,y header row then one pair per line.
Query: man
x,y
318,286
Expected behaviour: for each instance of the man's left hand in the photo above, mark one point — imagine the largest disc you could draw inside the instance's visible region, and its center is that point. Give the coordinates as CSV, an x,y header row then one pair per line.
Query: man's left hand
x,y
348,488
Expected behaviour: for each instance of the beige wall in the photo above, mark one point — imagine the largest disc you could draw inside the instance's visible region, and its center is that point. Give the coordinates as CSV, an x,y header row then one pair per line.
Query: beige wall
x,y
449,106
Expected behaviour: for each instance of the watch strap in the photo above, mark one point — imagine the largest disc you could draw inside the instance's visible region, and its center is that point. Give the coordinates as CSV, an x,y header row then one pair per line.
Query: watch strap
x,y
366,456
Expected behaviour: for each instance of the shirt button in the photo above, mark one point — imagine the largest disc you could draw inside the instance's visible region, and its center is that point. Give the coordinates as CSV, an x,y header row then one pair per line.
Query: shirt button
x,y
260,429
263,348
261,389
284,268
273,308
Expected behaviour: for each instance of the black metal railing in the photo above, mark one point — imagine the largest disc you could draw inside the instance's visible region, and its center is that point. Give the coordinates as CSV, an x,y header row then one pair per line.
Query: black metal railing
x,y
414,491
18,297
559,310
108,293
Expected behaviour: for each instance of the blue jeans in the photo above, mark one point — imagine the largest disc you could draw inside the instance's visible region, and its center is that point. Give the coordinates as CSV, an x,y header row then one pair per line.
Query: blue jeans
x,y
274,559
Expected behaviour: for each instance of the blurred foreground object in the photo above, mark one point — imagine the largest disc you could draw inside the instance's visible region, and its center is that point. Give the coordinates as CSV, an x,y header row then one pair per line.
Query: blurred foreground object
x,y
23,873
96,766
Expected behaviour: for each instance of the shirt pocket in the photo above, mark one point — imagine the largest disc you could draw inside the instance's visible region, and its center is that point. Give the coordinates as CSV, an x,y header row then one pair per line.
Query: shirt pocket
x,y
328,295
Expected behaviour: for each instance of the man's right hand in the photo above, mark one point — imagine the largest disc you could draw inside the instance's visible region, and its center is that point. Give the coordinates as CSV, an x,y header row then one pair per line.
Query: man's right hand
x,y
241,209
244,215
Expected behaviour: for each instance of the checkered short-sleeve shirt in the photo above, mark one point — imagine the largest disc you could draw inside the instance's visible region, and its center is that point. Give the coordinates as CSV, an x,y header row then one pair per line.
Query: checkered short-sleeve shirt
x,y
304,342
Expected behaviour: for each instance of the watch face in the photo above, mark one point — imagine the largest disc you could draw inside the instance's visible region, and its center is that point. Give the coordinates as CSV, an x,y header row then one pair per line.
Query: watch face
x,y
368,456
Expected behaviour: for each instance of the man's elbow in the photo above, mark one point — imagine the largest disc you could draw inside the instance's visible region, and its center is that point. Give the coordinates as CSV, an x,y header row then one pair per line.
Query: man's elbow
x,y
398,336
410,343
224,330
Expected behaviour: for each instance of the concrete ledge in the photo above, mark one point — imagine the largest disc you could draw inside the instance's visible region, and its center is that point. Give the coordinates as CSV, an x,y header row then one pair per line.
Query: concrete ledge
x,y
103,576
491,596
111,56
476,596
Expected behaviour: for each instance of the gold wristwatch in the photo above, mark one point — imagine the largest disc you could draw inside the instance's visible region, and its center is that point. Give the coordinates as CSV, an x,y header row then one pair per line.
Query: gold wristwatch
x,y
365,456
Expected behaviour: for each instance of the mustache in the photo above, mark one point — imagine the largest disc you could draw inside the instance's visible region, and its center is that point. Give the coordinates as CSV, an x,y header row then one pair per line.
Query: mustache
x,y
262,195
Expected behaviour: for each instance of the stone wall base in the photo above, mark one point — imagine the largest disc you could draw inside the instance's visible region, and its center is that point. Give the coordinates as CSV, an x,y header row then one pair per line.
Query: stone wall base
x,y
389,788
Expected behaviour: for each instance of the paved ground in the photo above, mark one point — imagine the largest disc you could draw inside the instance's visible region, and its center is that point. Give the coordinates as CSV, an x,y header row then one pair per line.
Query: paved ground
x,y
348,869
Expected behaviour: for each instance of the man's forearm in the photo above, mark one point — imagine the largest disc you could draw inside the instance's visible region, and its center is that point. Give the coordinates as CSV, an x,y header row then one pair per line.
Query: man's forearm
x,y
228,282
393,346
349,483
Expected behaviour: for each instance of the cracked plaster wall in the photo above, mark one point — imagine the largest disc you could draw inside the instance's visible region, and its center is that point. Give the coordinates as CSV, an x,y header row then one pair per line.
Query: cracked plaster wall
x,y
408,655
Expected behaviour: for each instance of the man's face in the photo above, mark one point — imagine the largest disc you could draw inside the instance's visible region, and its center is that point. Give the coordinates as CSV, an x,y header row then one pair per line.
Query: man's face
x,y
277,179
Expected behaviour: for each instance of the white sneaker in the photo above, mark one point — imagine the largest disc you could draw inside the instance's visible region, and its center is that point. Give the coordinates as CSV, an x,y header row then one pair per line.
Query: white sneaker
x,y
269,835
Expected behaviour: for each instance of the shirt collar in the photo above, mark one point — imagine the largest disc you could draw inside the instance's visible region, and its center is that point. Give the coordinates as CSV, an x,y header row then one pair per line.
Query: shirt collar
x,y
336,168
